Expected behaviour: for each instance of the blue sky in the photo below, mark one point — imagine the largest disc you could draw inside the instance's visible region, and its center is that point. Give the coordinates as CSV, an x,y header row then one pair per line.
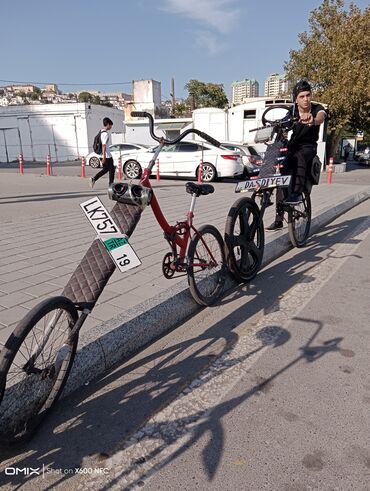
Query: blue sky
x,y
90,42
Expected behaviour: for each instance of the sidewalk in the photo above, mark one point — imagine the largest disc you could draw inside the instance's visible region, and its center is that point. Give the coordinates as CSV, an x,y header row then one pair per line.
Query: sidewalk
x,y
45,235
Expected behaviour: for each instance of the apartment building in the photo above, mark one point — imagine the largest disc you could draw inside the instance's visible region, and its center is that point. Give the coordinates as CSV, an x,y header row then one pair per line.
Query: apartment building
x,y
276,85
244,89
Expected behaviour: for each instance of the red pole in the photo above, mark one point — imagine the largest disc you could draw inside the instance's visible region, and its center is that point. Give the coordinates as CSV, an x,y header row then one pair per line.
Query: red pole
x,y
158,175
20,164
119,168
200,172
48,166
83,167
330,170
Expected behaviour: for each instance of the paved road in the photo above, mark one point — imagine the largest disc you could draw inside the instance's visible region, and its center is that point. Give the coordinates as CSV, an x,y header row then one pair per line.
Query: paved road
x,y
269,390
45,235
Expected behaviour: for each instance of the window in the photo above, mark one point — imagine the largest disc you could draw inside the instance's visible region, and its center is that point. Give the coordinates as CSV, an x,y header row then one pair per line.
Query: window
x,y
170,148
253,151
188,147
249,114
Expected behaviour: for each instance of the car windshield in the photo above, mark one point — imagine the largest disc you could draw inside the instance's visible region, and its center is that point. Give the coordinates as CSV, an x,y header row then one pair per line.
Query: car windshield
x,y
253,151
233,148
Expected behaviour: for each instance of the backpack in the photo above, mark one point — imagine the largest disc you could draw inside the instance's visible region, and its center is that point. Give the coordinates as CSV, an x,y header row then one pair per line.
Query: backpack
x,y
97,144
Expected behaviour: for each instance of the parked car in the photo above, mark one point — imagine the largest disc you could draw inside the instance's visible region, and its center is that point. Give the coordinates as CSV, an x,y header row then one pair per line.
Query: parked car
x,y
118,149
183,159
252,160
363,156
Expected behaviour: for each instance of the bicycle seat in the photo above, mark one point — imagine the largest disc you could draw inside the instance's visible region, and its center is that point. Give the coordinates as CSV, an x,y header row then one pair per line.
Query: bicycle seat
x,y
199,189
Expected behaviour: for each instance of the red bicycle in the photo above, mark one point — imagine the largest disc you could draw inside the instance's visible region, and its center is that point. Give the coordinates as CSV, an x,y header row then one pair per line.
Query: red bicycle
x,y
36,360
198,253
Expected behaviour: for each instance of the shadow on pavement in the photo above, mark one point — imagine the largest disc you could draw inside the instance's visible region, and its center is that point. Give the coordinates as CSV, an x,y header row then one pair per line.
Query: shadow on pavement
x,y
98,419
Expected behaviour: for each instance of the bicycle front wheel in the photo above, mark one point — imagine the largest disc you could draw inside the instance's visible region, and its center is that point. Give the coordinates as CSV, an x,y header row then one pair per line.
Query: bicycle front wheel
x,y
34,366
244,239
299,221
206,265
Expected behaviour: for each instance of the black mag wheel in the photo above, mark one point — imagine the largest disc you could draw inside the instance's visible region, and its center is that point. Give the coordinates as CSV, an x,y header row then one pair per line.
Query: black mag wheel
x,y
206,265
299,221
34,366
244,239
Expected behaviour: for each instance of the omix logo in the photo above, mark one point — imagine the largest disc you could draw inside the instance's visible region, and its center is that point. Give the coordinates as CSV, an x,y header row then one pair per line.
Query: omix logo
x,y
25,471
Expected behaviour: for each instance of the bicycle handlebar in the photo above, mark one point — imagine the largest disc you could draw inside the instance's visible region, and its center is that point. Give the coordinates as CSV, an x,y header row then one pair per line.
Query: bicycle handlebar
x,y
144,114
278,122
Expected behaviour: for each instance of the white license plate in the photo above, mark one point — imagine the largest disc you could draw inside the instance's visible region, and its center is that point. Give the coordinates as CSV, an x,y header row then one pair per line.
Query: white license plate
x,y
263,182
121,252
99,217
114,241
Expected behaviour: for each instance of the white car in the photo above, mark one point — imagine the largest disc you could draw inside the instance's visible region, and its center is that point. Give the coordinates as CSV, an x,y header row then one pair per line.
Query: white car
x,y
183,160
117,150
252,160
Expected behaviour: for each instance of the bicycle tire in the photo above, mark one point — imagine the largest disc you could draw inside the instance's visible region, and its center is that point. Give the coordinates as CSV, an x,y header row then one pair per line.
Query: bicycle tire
x,y
30,384
206,280
244,252
299,231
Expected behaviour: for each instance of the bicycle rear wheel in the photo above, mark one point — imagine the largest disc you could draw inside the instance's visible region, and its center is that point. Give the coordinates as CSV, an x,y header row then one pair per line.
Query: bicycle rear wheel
x,y
299,221
244,239
34,367
206,265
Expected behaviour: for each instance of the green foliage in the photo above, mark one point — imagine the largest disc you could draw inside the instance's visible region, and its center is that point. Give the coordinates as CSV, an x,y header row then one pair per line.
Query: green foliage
x,y
85,97
93,98
205,95
180,109
334,56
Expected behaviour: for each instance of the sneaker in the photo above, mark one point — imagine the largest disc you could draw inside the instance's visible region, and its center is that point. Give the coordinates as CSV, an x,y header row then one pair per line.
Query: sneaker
x,y
276,225
293,199
92,182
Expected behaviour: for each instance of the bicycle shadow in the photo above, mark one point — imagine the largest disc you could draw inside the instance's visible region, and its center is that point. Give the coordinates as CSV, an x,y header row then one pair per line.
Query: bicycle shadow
x,y
129,405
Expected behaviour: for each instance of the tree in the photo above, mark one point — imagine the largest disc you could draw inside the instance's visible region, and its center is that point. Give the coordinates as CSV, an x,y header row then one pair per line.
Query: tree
x,y
205,94
85,97
334,57
180,110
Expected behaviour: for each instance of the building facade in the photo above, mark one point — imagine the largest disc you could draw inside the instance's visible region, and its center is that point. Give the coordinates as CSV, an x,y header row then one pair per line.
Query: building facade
x,y
244,89
276,85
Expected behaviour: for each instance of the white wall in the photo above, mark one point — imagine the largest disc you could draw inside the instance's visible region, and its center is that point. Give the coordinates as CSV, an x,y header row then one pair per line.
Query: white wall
x,y
65,130
212,121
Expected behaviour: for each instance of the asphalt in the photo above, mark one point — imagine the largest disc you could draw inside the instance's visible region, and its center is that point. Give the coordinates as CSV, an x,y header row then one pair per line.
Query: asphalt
x,y
44,236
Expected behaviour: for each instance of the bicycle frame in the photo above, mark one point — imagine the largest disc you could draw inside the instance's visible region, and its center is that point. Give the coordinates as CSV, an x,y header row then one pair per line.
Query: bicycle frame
x,y
171,231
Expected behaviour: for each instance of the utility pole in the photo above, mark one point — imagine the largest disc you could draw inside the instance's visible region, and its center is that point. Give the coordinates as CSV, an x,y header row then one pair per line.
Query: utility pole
x,y
172,94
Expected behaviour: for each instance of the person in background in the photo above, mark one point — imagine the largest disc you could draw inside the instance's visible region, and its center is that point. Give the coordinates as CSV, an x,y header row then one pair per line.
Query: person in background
x,y
302,146
106,157
347,151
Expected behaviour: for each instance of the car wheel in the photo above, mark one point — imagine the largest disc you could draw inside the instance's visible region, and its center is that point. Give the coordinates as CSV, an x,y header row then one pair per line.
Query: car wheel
x,y
209,172
94,162
132,169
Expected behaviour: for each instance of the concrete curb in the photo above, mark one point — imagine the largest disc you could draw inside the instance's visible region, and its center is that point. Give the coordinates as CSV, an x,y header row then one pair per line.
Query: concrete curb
x,y
107,344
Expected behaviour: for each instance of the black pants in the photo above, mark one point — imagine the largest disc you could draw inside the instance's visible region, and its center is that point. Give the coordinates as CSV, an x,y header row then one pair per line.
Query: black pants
x,y
297,164
108,166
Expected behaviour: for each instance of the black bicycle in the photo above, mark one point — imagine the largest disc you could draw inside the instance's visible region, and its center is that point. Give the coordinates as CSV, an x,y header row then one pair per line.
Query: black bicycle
x,y
244,230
